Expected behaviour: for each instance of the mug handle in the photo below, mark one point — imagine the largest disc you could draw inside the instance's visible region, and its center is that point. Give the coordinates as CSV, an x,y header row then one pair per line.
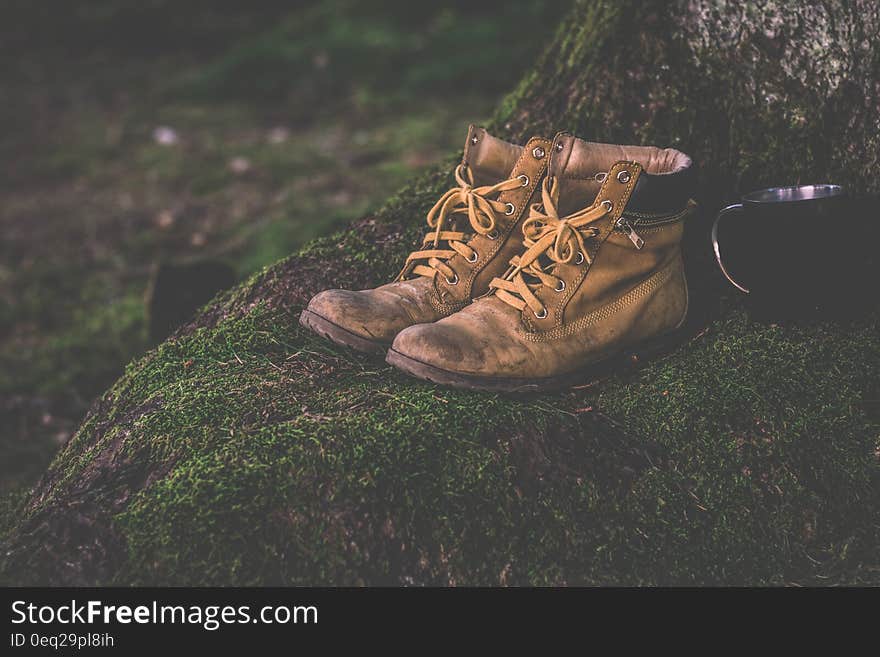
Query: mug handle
x,y
736,207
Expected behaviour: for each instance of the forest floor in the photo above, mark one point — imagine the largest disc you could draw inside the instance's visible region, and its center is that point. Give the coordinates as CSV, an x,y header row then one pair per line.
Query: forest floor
x,y
146,134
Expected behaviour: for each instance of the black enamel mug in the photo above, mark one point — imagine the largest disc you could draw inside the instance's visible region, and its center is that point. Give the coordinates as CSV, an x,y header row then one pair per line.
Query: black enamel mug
x,y
786,243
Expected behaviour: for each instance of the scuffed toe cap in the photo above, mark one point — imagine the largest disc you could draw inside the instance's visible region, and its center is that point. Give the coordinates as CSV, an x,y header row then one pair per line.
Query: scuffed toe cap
x,y
363,313
332,304
481,340
429,343
447,347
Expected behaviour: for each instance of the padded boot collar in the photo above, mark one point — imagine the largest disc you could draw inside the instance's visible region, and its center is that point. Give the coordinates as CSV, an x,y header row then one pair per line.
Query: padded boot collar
x,y
664,186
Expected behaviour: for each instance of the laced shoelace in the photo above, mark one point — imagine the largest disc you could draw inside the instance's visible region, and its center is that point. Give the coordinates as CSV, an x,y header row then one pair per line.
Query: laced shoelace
x,y
441,244
553,239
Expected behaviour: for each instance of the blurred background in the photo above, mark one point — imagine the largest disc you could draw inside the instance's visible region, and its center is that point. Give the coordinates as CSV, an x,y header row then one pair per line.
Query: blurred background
x,y
147,143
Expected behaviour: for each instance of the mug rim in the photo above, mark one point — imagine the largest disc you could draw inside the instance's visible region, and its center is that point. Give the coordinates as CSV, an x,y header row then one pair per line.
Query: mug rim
x,y
794,193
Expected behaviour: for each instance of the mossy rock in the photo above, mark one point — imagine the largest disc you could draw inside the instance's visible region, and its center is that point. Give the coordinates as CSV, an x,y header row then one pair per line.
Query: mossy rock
x,y
245,451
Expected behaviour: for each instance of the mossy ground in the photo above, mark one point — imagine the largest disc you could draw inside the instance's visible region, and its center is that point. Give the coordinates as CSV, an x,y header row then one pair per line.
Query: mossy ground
x,y
316,466
246,451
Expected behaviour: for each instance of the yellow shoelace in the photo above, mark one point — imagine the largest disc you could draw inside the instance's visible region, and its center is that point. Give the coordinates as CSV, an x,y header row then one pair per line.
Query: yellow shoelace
x,y
560,239
481,212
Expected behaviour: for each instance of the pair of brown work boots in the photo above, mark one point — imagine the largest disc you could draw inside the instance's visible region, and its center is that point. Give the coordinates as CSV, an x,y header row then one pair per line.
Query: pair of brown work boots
x,y
544,262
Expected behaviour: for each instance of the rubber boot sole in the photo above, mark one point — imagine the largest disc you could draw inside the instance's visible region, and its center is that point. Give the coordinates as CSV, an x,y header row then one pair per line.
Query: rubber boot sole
x,y
338,335
627,359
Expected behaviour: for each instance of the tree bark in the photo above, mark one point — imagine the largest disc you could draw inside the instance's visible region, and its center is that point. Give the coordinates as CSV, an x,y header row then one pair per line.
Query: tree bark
x,y
759,93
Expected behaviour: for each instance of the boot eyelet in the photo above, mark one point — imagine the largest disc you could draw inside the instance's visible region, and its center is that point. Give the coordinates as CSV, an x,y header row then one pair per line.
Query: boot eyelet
x,y
474,257
560,286
493,235
542,315
524,179
474,140
579,258
608,205
509,209
623,177
538,152
454,280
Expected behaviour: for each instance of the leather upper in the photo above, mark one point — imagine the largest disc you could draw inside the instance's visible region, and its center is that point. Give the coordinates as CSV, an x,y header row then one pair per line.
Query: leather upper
x,y
617,294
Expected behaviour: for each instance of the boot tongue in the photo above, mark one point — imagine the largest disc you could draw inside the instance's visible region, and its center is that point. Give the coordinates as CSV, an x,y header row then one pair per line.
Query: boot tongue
x,y
489,158
579,166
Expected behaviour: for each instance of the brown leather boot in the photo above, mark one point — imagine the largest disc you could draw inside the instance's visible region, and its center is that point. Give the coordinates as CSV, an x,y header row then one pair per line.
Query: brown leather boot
x,y
600,273
476,228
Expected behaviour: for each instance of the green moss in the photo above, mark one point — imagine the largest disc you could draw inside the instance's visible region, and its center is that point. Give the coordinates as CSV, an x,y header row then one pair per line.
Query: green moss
x,y
766,459
288,461
314,447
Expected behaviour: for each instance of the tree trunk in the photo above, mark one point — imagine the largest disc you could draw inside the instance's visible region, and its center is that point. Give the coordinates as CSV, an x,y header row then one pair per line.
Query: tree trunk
x,y
243,451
